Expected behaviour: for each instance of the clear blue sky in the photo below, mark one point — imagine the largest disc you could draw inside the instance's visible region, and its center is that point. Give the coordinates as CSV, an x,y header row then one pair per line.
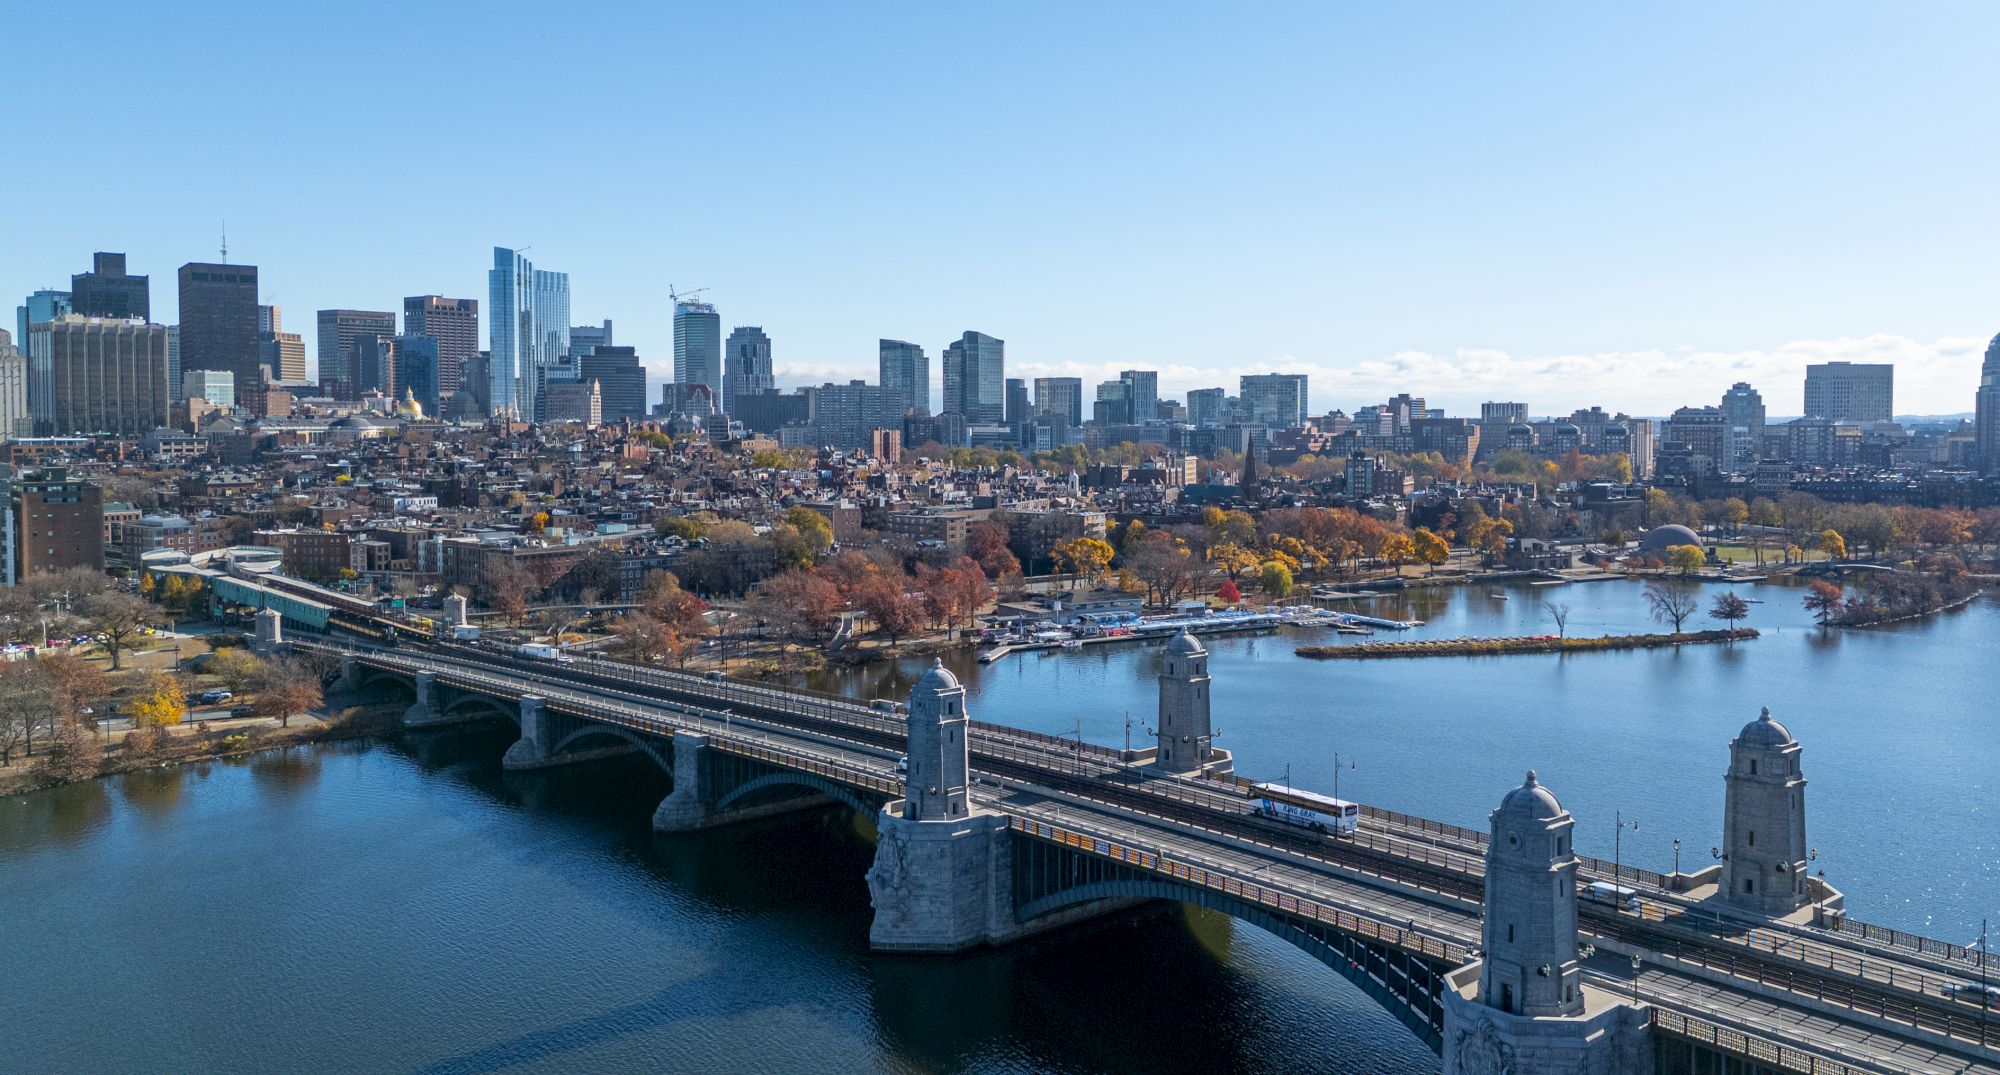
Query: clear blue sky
x,y
1566,204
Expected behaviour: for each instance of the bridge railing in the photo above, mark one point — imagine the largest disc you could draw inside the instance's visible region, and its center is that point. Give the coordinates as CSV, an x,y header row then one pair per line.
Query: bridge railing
x,y
1728,1040
1229,884
1896,938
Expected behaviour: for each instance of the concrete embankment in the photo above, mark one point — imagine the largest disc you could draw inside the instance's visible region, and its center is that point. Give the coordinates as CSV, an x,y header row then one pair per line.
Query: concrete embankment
x,y
1494,647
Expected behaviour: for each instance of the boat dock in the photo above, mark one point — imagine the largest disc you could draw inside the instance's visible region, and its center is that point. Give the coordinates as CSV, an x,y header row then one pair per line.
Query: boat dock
x,y
1162,628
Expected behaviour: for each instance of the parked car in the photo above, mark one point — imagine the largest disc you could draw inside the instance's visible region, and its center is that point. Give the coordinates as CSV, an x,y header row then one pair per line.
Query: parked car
x,y
1974,992
214,696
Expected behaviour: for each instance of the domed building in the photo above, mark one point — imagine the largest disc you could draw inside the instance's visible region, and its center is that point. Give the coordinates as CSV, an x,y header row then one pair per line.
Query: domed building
x,y
1657,541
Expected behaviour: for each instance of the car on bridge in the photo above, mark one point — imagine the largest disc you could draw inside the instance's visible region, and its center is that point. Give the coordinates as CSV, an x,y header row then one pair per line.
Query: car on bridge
x,y
1974,993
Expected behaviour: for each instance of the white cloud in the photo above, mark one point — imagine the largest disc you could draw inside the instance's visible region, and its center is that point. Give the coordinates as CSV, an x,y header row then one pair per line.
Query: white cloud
x,y
1935,377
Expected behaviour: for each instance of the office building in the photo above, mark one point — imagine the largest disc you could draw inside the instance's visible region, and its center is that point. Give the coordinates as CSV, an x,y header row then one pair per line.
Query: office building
x,y
43,305
975,375
281,353
416,371
585,338
218,323
454,324
16,420
905,368
173,354
1851,391
1743,428
1205,407
698,348
581,402
1113,406
58,522
1277,400
527,329
215,386
106,291
621,380
1143,389
1060,397
1986,413
746,365
845,416
1018,410
374,366
338,329
98,375
1503,414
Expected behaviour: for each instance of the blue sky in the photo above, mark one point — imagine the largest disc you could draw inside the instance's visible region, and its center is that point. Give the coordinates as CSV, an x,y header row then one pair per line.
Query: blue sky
x,y
1567,205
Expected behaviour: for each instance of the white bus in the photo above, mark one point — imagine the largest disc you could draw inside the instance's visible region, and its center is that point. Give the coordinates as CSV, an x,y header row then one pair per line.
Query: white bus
x,y
1320,813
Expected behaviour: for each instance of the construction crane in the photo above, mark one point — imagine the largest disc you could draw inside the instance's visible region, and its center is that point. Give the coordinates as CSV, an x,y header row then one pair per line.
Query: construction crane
x,y
684,296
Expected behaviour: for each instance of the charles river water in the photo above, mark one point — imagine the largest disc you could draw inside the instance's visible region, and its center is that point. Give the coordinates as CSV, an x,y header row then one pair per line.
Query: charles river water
x,y
401,906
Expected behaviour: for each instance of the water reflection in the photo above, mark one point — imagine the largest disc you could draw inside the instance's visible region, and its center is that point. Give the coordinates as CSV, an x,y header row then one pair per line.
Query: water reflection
x,y
64,816
155,794
285,772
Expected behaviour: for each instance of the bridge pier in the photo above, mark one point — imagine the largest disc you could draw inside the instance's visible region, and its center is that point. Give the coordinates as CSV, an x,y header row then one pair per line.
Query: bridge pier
x,y
349,680
424,711
690,806
535,748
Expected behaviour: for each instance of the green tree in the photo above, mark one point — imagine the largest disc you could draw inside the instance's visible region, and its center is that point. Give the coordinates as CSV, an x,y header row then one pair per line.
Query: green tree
x,y
1277,579
817,529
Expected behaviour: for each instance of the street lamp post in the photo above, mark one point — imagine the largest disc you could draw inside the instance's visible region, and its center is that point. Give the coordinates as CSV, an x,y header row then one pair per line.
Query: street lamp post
x,y
1677,864
1617,848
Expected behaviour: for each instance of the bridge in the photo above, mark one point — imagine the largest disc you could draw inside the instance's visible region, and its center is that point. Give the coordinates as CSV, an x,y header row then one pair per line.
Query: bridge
x,y
1478,942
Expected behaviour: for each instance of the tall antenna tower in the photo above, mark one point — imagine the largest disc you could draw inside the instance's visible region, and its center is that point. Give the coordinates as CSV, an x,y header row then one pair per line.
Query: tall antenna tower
x,y
225,240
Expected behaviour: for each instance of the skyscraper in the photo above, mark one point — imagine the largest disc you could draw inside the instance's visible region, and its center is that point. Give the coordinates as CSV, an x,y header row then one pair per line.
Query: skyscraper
x,y
98,375
975,378
43,305
454,324
338,329
1017,400
905,368
105,291
1275,399
282,353
1743,428
374,366
1060,397
527,331
746,366
621,380
1851,391
1144,394
1113,406
698,347
1205,406
585,338
218,325
416,371
1986,420
15,418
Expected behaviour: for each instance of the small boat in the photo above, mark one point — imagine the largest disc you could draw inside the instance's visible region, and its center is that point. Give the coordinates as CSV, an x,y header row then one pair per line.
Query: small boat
x,y
1497,596
1071,643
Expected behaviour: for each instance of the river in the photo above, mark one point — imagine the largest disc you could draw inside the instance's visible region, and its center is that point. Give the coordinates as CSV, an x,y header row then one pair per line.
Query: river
x,y
405,906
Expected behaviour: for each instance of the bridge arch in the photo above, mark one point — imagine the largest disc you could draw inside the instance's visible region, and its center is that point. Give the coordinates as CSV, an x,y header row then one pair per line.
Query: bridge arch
x,y
785,778
616,732
374,679
463,700
1370,968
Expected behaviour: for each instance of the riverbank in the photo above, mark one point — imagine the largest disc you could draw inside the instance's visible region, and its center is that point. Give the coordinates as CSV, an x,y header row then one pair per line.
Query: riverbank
x,y
1917,614
187,743
1491,647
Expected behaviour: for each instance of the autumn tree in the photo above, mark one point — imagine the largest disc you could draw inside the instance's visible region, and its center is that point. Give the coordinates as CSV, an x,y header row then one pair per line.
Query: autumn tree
x,y
1686,559
887,600
161,704
1824,600
119,619
646,639
986,542
1430,549
1083,556
1398,550
801,603
1228,592
1276,579
816,529
1729,608
1671,603
236,668
288,685
73,753
1832,544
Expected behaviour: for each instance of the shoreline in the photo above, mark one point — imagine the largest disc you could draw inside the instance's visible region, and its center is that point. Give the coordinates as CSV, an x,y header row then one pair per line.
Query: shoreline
x,y
1506,646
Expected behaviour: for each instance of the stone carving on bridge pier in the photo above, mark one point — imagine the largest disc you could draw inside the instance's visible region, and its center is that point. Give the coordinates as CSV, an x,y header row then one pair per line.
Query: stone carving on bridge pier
x,y
1480,1050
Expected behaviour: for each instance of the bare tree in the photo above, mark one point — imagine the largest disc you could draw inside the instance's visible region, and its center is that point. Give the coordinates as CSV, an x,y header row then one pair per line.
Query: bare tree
x,y
119,619
1672,603
1559,612
288,686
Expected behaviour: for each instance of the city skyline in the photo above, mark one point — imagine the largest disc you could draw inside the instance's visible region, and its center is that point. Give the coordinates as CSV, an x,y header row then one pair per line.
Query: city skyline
x,y
1517,214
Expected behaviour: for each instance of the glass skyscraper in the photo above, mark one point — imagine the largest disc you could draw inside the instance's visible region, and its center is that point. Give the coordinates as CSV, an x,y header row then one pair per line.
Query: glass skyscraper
x,y
1277,400
43,305
975,379
905,368
698,348
527,330
747,368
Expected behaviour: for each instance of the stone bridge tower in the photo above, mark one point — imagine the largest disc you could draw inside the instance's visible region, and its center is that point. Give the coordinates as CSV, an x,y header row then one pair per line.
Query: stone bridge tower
x,y
1764,821
1185,729
934,787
